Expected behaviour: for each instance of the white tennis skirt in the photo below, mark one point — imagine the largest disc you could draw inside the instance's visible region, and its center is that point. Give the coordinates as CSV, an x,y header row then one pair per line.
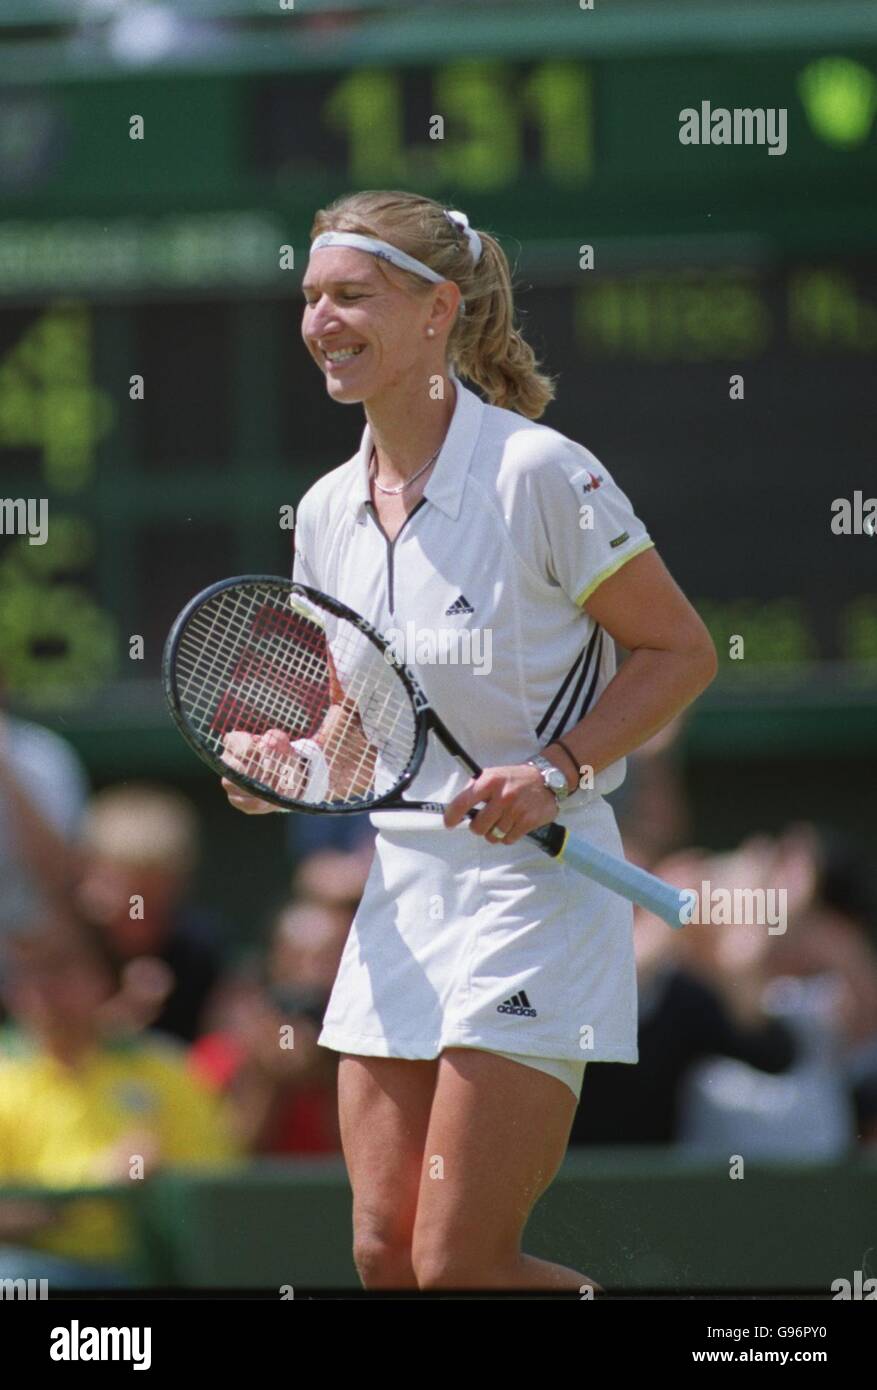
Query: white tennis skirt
x,y
461,942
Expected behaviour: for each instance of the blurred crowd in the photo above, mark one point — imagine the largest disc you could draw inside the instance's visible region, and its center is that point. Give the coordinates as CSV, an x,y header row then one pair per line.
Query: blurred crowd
x,y
141,33
136,1028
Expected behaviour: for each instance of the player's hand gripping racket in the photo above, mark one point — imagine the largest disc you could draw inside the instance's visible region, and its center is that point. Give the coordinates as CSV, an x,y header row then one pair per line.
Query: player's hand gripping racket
x,y
298,700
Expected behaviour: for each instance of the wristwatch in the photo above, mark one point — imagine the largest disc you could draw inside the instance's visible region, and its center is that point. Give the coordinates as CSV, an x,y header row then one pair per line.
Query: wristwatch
x,y
554,779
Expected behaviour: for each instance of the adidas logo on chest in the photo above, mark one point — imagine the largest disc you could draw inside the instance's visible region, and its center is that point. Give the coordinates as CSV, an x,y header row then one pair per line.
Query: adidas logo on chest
x,y
460,605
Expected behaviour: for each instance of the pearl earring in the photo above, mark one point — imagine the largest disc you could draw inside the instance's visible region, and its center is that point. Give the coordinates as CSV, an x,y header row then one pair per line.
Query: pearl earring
x,y
430,332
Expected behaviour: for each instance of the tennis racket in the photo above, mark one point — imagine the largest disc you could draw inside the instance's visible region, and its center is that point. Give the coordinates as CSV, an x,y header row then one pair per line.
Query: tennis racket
x,y
296,699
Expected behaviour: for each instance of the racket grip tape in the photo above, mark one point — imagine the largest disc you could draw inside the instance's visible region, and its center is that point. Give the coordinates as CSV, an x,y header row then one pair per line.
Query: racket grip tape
x,y
628,880
671,904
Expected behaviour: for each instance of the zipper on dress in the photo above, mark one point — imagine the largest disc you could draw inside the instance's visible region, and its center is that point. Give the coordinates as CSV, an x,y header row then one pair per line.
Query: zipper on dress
x,y
391,546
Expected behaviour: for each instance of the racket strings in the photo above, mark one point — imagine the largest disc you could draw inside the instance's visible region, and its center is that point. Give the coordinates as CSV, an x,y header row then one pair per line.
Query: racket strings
x,y
250,665
229,650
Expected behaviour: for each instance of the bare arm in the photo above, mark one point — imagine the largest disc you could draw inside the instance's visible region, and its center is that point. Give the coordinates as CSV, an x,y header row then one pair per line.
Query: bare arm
x,y
672,659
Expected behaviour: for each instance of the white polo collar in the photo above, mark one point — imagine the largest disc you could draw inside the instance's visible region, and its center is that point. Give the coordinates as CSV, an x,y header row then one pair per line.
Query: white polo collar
x,y
448,478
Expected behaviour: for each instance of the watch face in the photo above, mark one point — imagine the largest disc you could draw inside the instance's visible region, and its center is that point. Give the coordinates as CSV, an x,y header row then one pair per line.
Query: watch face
x,y
556,779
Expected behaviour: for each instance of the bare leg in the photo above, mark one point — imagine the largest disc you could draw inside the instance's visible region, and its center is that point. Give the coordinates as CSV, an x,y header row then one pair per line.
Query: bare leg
x,y
383,1107
497,1135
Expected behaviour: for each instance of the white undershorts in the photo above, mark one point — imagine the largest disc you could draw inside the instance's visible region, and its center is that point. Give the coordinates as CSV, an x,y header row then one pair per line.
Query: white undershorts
x,y
572,1074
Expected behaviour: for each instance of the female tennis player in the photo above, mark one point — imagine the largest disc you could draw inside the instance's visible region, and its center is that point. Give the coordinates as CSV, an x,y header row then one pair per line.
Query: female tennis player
x,y
479,977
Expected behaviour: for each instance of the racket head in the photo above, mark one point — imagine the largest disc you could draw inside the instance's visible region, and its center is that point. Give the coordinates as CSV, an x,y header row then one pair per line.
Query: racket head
x,y
258,651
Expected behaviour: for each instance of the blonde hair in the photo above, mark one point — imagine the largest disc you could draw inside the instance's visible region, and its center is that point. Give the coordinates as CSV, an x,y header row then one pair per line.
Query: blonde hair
x,y
144,825
484,346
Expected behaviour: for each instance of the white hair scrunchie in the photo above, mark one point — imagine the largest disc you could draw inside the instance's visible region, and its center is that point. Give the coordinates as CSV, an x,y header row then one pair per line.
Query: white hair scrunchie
x,y
474,240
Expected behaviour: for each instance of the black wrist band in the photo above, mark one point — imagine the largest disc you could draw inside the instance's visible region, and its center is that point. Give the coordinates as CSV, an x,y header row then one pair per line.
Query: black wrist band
x,y
561,744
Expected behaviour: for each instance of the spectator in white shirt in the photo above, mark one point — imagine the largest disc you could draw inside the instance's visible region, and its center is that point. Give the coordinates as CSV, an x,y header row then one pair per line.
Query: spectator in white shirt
x,y
43,791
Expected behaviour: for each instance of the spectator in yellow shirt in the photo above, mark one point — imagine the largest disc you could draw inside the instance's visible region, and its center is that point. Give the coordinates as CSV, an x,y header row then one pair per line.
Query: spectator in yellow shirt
x,y
83,1104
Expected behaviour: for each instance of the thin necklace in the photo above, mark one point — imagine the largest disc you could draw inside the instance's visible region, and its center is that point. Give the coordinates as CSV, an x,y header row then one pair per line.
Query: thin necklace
x,y
394,491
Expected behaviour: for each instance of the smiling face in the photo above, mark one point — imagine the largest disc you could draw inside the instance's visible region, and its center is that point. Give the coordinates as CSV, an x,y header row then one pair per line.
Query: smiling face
x,y
365,328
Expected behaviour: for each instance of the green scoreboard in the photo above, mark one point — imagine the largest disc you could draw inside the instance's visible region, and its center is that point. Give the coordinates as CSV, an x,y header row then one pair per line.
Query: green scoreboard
x,y
709,309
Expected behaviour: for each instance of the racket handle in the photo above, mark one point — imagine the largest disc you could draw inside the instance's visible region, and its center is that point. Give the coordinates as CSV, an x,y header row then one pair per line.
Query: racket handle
x,y
671,904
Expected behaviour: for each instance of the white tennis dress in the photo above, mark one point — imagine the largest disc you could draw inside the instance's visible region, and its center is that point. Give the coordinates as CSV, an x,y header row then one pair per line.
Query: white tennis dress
x,y
460,941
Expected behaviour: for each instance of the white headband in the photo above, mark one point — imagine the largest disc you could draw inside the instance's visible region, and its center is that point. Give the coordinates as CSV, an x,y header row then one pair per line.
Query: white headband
x,y
387,252
382,249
